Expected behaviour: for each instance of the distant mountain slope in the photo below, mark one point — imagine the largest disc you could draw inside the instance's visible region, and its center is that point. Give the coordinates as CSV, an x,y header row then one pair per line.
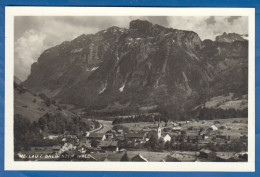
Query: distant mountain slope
x,y
228,101
144,66
33,106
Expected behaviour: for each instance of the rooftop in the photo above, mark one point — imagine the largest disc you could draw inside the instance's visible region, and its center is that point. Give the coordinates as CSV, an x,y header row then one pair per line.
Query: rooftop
x,y
134,135
108,143
96,135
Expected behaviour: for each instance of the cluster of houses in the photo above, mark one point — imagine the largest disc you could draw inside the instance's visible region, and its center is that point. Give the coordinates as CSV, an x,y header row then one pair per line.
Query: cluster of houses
x,y
102,142
109,141
202,135
105,146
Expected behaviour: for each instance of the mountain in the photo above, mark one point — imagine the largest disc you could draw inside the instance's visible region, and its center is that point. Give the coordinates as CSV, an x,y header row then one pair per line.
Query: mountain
x,y
33,106
140,68
230,37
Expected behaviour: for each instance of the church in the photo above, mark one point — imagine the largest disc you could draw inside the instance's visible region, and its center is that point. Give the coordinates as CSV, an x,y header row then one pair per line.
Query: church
x,y
166,137
159,130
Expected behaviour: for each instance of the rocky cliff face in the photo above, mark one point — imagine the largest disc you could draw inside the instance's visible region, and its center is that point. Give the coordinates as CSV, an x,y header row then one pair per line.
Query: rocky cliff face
x,y
145,65
230,37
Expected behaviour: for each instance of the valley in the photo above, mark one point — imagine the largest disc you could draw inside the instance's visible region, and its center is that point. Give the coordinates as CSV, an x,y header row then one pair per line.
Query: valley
x,y
143,93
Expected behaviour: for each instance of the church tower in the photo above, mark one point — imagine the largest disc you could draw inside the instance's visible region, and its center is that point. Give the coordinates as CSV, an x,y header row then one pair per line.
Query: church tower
x,y
159,131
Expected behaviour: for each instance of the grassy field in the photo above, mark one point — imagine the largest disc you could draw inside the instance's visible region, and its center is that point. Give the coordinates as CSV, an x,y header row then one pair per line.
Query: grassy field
x,y
227,102
231,121
33,107
138,126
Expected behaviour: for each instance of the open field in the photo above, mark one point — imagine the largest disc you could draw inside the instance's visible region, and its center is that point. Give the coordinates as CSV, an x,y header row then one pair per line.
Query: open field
x,y
228,102
137,126
33,107
233,123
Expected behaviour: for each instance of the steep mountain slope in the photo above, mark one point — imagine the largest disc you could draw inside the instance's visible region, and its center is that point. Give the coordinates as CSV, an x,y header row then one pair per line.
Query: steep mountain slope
x,y
229,64
34,106
143,66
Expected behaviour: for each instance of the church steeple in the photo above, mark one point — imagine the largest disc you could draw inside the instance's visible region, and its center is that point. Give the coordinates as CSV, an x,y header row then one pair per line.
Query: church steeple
x,y
159,131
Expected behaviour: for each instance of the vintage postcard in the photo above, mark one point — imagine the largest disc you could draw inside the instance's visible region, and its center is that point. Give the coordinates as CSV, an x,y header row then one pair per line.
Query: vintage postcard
x,y
107,88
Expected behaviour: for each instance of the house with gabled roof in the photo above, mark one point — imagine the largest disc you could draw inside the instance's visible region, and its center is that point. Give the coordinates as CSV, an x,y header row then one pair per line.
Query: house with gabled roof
x,y
96,136
139,158
136,137
166,137
109,135
109,145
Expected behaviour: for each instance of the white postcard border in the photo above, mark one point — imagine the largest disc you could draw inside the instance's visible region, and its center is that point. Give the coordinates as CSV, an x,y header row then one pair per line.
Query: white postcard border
x,y
10,164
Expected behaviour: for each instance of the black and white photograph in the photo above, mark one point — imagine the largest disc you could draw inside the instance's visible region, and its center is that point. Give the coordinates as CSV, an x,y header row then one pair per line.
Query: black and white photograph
x,y
131,88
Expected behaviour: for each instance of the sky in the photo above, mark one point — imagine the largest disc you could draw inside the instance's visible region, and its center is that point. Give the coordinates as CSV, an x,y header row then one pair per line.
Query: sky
x,y
33,35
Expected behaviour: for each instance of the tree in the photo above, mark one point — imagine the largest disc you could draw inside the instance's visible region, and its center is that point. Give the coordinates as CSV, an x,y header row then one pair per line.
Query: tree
x,y
25,133
168,145
153,141
161,143
96,124
94,143
126,140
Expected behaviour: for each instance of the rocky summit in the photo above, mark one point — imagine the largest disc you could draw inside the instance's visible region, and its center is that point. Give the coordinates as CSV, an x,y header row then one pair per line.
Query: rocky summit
x,y
230,37
143,67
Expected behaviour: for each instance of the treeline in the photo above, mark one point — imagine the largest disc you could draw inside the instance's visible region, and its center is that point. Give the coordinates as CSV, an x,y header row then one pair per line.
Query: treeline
x,y
199,114
58,124
140,118
134,119
28,134
123,112
25,133
211,113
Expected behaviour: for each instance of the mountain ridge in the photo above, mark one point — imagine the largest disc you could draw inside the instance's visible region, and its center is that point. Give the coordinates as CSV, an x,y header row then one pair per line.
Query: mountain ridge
x,y
144,65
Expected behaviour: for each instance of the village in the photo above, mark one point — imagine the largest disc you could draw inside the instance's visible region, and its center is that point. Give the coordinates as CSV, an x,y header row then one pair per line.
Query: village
x,y
182,141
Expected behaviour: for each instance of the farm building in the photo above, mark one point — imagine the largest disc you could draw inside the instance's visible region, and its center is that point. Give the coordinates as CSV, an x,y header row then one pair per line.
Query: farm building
x,y
119,137
109,135
109,145
120,131
166,137
52,137
136,137
85,147
193,136
214,127
96,136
